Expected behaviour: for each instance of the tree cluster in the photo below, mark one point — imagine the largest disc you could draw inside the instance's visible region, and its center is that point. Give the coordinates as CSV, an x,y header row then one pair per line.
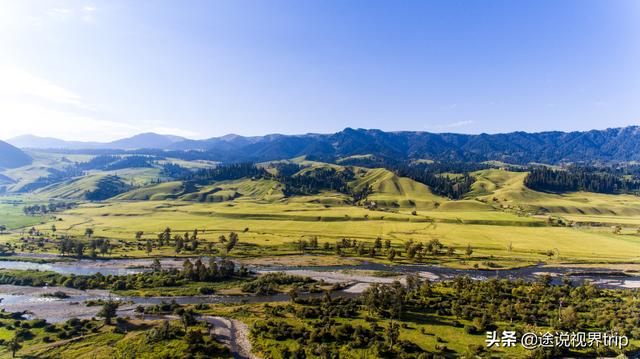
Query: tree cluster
x,y
575,178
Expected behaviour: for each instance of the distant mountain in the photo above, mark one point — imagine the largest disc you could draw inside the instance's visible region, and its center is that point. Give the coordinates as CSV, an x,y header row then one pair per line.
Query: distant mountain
x,y
610,145
31,141
143,140
12,157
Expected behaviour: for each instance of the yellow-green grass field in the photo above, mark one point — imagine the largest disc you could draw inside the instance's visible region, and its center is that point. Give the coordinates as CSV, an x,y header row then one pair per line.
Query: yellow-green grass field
x,y
501,219
12,216
490,233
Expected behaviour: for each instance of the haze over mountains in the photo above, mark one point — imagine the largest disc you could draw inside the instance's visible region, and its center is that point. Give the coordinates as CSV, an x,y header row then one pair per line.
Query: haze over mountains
x,y
609,145
143,140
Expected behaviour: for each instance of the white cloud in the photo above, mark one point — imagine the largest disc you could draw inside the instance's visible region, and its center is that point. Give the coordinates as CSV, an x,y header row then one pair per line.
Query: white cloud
x,y
23,118
30,104
456,124
87,14
459,124
17,82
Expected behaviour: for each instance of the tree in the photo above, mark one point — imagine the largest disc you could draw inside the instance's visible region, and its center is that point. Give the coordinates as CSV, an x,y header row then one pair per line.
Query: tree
x,y
139,235
387,244
2,228
108,311
187,268
105,246
392,255
233,240
79,248
301,245
179,244
313,242
469,250
156,266
88,232
53,229
299,353
187,319
14,346
392,333
149,247
166,235
378,243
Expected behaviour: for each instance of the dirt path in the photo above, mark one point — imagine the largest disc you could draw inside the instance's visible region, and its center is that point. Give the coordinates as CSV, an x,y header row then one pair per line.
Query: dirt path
x,y
233,333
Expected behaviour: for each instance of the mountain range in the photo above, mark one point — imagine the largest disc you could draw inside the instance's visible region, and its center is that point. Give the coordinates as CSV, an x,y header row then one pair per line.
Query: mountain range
x,y
143,140
609,145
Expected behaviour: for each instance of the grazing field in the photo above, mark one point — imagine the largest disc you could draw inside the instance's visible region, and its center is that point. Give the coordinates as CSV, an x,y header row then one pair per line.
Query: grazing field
x,y
12,217
269,226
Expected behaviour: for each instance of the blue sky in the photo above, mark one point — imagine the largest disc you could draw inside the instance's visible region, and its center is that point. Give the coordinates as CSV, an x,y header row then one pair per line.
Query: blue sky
x,y
99,70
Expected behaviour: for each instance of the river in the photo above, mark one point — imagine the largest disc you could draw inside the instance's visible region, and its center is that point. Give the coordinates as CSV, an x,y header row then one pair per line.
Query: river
x,y
18,298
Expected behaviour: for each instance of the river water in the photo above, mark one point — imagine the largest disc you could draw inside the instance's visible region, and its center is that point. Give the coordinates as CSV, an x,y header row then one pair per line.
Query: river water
x,y
15,298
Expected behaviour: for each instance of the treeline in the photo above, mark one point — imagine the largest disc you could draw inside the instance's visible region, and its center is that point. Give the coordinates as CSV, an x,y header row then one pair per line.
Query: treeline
x,y
270,283
314,180
69,246
309,182
107,187
156,278
112,162
51,207
226,172
54,176
453,186
574,178
173,170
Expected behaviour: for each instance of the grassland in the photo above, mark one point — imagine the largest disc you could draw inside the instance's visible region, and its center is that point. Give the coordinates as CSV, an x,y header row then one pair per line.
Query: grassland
x,y
265,228
501,219
12,216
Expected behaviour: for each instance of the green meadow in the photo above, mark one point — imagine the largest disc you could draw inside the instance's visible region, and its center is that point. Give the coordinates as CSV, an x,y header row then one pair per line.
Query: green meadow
x,y
500,218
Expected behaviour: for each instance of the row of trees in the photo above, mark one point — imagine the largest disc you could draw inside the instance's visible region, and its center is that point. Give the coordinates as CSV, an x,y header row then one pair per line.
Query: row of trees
x,y
69,246
189,241
51,207
157,277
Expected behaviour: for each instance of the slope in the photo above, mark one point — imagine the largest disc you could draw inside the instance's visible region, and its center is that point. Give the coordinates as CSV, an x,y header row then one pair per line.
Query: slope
x,y
89,187
506,189
12,157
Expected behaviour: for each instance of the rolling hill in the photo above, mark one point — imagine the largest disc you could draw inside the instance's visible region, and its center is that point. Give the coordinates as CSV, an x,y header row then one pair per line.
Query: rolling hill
x,y
95,187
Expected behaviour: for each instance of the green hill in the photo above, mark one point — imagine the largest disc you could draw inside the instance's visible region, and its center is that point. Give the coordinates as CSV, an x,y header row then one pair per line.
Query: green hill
x,y
261,189
90,187
505,189
389,190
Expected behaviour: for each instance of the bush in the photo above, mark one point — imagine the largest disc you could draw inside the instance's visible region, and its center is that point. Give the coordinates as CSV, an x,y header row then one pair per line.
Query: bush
x,y
470,329
206,290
